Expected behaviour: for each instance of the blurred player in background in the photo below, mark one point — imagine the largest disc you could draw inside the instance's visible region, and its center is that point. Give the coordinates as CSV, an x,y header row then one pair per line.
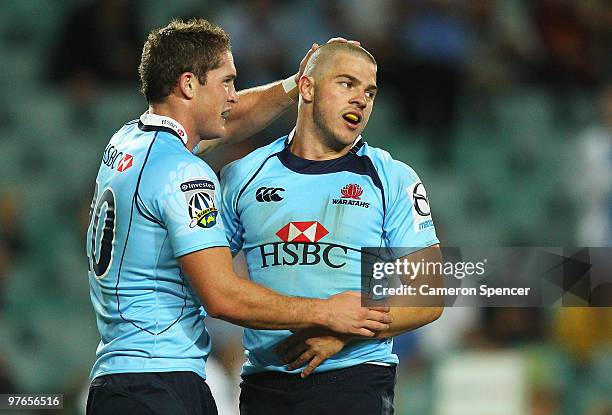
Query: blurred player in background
x,y
301,209
157,249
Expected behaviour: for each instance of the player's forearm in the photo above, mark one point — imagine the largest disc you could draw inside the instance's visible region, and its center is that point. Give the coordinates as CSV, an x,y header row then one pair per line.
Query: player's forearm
x,y
226,296
256,108
421,310
409,318
251,305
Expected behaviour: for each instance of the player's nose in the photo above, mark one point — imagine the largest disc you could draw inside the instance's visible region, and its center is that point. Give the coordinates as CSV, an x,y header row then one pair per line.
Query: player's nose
x,y
360,100
233,96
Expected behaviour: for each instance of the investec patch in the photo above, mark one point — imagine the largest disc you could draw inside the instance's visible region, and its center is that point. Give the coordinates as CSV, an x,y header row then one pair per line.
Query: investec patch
x,y
200,198
421,214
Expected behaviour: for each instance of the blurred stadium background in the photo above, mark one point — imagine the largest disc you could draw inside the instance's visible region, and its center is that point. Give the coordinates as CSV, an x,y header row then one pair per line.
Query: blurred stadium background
x,y
504,108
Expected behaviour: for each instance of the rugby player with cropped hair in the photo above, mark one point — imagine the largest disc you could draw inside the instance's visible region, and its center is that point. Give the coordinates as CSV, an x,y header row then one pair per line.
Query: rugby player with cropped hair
x,y
156,246
333,195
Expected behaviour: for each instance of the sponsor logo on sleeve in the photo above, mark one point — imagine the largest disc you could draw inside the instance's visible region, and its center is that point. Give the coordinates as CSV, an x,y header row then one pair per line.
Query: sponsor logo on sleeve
x,y
125,163
421,213
200,197
116,159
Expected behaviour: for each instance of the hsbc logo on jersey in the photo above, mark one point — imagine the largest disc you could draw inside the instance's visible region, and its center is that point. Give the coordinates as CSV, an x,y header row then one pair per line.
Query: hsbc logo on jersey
x,y
301,246
116,159
302,232
125,163
351,195
173,125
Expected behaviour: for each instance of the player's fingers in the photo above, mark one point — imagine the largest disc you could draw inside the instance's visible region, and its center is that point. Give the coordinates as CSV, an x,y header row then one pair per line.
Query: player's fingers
x,y
375,326
305,60
293,353
363,332
343,40
379,316
385,309
314,363
301,360
287,344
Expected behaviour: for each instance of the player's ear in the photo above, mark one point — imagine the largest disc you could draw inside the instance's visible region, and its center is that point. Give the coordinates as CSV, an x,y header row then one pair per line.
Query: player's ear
x,y
306,88
186,84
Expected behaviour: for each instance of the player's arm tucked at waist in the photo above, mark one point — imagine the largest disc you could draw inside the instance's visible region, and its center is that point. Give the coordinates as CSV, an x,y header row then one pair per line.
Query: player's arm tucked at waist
x,y
311,347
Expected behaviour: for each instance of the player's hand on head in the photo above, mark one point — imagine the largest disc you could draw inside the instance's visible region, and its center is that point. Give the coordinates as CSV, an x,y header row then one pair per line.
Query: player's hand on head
x,y
314,47
347,316
343,40
305,60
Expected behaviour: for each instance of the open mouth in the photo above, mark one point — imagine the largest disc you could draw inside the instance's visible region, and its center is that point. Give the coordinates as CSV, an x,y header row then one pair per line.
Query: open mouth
x,y
352,118
225,114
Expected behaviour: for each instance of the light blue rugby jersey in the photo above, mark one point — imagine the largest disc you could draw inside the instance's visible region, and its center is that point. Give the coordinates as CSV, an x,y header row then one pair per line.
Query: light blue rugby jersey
x,y
154,202
302,224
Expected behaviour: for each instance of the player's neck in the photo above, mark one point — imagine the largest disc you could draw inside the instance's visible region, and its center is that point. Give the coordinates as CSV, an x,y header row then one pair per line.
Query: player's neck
x,y
171,111
310,144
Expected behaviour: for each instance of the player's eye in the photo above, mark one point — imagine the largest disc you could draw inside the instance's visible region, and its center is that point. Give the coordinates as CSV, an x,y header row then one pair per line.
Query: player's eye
x,y
346,84
370,94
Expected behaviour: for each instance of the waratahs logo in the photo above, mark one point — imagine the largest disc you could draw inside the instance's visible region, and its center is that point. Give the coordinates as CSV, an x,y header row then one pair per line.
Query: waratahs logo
x,y
351,196
352,191
200,197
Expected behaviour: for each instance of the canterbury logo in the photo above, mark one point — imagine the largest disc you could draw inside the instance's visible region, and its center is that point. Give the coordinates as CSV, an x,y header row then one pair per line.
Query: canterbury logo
x,y
269,194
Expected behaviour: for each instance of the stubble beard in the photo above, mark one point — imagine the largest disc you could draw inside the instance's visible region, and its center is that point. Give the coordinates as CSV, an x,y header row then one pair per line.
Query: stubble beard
x,y
330,139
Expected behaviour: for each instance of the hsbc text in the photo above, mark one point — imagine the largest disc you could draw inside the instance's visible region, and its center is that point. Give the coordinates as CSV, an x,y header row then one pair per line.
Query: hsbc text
x,y
286,253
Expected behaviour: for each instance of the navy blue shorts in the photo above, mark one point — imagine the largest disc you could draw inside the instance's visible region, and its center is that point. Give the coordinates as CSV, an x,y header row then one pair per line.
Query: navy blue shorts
x,y
357,390
167,393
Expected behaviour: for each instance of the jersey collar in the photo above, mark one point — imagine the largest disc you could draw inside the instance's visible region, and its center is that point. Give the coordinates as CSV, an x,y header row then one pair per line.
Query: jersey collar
x,y
154,122
356,144
347,162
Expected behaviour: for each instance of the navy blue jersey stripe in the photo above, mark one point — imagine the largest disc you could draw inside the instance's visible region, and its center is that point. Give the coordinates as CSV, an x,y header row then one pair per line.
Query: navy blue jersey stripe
x,y
148,128
127,238
350,162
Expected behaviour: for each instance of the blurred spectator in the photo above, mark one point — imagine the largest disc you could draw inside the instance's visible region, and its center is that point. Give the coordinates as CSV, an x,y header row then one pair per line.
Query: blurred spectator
x,y
11,239
593,186
99,44
434,42
568,57
100,40
6,381
508,327
254,30
10,223
583,332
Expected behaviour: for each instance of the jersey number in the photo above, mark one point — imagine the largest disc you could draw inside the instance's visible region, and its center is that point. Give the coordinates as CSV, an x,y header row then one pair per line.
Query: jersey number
x,y
101,253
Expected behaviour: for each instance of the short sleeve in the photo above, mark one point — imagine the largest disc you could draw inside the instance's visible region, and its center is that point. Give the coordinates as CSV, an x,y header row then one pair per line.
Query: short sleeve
x,y
230,183
187,203
408,220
